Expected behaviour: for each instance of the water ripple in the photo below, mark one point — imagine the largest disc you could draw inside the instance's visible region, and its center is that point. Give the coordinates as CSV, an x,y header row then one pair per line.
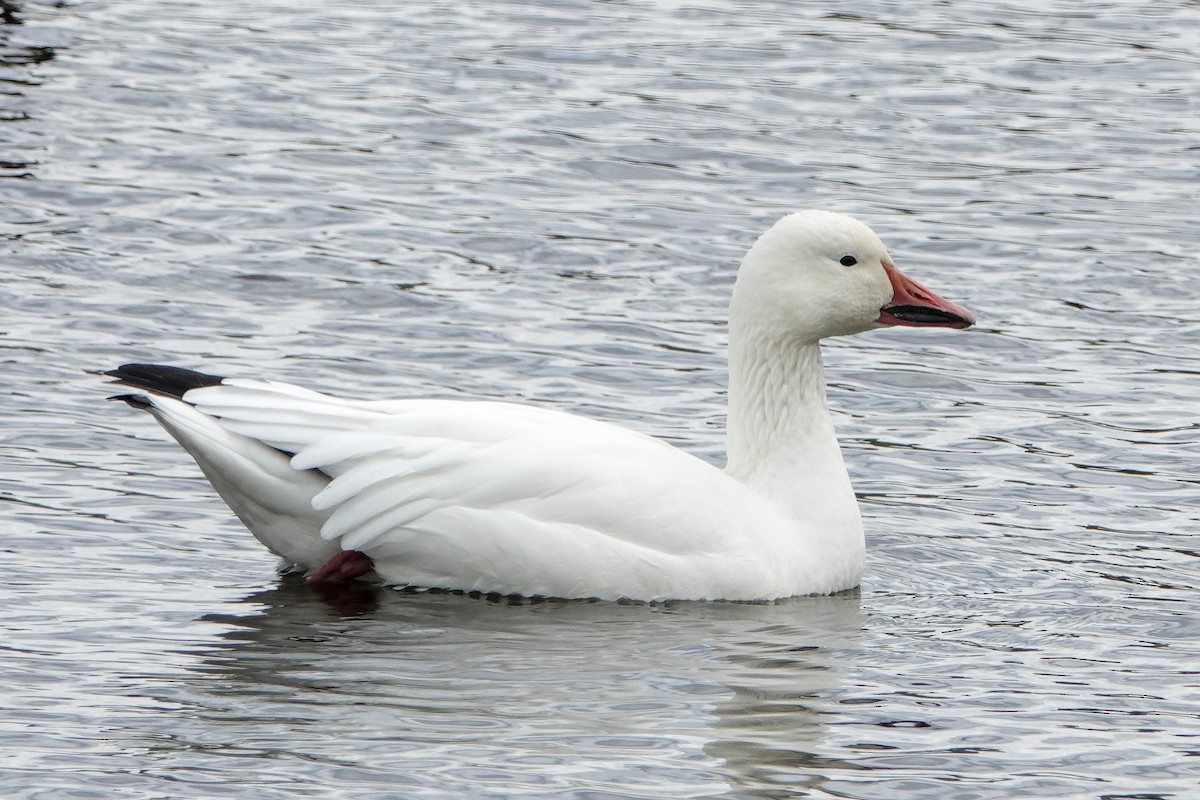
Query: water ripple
x,y
546,201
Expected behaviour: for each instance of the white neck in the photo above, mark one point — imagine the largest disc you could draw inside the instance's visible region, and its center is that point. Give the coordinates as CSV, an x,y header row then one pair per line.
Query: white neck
x,y
776,400
781,440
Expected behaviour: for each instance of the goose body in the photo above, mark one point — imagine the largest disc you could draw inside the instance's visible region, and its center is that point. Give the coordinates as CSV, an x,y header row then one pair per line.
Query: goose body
x,y
514,499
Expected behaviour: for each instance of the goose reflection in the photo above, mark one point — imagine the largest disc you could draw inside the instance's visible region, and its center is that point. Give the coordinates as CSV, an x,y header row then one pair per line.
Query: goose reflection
x,y
728,696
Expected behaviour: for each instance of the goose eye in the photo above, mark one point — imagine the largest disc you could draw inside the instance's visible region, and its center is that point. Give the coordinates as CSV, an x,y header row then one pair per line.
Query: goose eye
x,y
847,260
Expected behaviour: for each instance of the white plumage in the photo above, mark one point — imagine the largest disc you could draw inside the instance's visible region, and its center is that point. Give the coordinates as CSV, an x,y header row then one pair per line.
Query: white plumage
x,y
500,497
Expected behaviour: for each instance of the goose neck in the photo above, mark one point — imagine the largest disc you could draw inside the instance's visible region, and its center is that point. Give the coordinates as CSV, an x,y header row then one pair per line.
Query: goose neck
x,y
777,406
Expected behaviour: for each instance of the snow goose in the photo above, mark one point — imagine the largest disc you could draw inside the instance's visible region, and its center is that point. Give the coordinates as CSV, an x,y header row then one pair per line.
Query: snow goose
x,y
513,499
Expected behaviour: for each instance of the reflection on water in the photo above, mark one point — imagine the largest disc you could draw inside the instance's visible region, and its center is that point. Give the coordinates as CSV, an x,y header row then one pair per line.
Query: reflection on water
x,y
685,695
14,84
13,51
9,12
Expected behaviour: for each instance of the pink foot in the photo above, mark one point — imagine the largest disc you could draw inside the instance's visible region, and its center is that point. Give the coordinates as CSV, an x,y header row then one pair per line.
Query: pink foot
x,y
344,566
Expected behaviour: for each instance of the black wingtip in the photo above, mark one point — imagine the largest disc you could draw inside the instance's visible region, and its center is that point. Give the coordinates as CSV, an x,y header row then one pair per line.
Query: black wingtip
x,y
135,400
170,381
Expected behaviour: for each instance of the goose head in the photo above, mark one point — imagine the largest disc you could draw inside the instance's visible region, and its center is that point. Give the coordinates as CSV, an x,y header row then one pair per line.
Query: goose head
x,y
816,274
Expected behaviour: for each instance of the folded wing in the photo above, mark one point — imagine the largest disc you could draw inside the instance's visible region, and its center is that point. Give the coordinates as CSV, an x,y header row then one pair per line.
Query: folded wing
x,y
498,496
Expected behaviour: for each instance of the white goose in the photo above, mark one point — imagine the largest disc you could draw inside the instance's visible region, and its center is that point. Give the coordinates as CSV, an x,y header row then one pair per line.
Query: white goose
x,y
499,497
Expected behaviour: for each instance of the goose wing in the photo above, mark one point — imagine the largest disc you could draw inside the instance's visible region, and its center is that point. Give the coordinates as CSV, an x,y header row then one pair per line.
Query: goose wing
x,y
503,497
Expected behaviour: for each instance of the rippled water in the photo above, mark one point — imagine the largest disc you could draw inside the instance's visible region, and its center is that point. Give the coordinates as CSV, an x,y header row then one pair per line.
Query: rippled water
x,y
548,201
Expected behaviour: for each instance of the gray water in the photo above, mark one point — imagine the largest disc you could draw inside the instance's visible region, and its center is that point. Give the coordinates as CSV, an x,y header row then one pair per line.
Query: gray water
x,y
547,201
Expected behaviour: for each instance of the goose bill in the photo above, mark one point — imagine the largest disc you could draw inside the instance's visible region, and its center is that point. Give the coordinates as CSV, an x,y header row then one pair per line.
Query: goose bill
x,y
915,306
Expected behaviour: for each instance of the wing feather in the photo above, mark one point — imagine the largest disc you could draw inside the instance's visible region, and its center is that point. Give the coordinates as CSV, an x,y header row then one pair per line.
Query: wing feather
x,y
554,476
501,496
346,448
390,467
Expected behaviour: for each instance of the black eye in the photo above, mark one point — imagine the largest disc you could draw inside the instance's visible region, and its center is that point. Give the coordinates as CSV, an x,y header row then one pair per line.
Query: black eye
x,y
847,260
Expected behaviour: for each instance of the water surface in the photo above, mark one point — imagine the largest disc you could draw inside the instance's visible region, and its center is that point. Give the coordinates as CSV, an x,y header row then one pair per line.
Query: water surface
x,y
547,201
